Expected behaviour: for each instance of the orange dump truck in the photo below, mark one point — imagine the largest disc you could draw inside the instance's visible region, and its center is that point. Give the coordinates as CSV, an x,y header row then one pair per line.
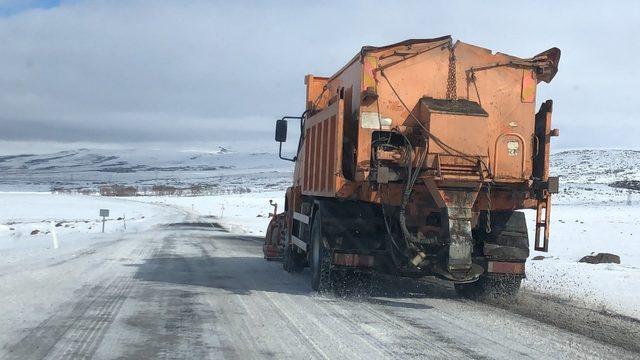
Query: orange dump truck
x,y
413,160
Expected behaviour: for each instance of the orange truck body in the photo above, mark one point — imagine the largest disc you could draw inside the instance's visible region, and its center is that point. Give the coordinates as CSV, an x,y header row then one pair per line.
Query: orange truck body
x,y
458,118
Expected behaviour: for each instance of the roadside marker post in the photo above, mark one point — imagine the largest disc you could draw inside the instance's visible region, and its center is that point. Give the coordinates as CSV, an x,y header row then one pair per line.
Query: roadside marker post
x,y
54,236
104,213
124,221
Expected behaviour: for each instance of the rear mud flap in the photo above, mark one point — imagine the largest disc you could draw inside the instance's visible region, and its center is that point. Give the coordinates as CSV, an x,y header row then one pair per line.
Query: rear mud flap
x,y
508,239
468,276
505,252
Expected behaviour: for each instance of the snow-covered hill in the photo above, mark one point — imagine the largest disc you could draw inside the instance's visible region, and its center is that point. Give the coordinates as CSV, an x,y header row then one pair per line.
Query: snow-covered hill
x,y
129,161
596,176
596,166
92,168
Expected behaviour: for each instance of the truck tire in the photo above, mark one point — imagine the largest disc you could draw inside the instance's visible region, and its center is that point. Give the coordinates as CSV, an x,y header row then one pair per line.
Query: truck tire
x,y
320,258
292,261
504,287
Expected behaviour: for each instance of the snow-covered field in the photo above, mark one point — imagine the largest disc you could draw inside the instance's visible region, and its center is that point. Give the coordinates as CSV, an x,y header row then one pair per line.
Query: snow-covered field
x,y
246,214
191,291
28,222
578,229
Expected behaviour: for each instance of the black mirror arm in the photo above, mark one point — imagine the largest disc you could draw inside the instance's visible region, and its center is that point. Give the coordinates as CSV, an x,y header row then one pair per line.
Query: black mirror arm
x,y
284,158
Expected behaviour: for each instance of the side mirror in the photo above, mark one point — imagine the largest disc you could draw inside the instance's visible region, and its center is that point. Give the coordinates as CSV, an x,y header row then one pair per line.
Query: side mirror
x,y
281,134
281,131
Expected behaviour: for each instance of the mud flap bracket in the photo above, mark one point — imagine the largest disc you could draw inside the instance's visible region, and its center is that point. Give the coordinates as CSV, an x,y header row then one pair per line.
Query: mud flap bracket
x,y
461,242
543,216
457,203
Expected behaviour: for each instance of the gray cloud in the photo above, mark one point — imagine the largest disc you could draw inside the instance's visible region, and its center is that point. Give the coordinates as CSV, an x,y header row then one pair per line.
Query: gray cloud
x,y
179,72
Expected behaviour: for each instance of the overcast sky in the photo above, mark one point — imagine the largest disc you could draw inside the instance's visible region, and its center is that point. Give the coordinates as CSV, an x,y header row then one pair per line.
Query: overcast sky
x,y
195,74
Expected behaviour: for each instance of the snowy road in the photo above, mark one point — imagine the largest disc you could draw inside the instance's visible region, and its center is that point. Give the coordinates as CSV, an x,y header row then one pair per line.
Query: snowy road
x,y
189,290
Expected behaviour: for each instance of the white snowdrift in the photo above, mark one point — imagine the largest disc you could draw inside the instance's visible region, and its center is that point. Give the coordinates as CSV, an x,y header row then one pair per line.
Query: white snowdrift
x,y
579,230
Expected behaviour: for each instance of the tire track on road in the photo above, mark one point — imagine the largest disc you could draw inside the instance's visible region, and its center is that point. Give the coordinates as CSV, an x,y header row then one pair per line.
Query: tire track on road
x,y
295,326
77,327
339,330
86,332
54,337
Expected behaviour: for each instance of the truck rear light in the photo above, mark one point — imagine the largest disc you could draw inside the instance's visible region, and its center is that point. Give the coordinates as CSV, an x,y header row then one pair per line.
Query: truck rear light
x,y
505,267
355,260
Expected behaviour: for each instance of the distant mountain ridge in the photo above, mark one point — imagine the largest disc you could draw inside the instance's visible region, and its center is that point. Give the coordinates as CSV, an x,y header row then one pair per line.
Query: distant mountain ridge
x,y
93,168
128,161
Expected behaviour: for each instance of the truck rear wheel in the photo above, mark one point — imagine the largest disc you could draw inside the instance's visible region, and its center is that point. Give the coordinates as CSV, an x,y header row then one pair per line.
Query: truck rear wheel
x,y
320,259
495,287
291,260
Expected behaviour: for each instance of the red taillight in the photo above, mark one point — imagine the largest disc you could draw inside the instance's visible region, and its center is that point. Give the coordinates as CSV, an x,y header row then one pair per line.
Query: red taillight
x,y
505,267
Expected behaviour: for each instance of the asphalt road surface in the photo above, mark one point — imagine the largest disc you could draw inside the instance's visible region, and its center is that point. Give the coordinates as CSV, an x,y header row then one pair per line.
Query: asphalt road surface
x,y
192,291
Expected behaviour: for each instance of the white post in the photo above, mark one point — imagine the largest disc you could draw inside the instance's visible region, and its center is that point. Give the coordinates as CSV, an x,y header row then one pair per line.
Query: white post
x,y
54,236
124,221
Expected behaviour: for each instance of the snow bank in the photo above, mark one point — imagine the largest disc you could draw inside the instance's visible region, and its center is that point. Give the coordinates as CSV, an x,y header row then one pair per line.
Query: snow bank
x,y
77,219
579,230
